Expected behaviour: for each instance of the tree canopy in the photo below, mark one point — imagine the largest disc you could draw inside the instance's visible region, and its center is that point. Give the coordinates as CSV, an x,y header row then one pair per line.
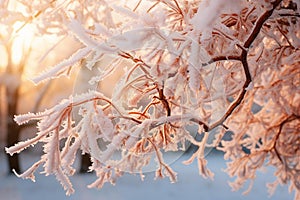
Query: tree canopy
x,y
219,66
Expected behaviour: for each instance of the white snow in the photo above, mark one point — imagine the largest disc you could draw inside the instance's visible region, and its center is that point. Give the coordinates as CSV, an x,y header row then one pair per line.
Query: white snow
x,y
189,186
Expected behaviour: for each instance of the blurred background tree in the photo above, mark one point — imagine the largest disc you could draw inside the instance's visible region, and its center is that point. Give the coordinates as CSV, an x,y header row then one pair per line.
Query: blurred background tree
x,y
23,52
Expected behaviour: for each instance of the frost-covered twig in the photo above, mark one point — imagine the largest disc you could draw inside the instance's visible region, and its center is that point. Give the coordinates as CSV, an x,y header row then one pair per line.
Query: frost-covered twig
x,y
183,67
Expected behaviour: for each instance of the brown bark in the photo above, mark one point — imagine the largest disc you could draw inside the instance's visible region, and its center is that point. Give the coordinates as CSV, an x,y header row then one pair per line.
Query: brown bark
x,y
13,134
13,130
85,163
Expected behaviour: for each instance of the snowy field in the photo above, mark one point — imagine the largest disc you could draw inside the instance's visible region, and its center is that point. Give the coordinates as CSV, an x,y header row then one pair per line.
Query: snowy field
x,y
189,186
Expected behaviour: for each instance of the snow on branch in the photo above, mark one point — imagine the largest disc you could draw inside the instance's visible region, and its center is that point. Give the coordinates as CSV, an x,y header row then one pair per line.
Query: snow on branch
x,y
205,64
63,67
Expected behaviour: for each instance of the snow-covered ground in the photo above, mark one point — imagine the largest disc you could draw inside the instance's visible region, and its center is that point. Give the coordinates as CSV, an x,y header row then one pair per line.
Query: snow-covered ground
x,y
189,186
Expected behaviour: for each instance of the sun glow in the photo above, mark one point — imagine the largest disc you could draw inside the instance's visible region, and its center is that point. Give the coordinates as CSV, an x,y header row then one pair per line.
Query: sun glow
x,y
22,41
3,61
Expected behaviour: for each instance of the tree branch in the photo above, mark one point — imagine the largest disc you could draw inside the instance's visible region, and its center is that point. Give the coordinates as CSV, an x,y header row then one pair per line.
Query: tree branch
x,y
222,58
243,58
259,24
287,120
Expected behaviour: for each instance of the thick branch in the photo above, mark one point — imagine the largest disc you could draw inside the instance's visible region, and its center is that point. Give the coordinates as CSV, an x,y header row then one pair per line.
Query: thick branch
x,y
259,23
163,100
243,58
